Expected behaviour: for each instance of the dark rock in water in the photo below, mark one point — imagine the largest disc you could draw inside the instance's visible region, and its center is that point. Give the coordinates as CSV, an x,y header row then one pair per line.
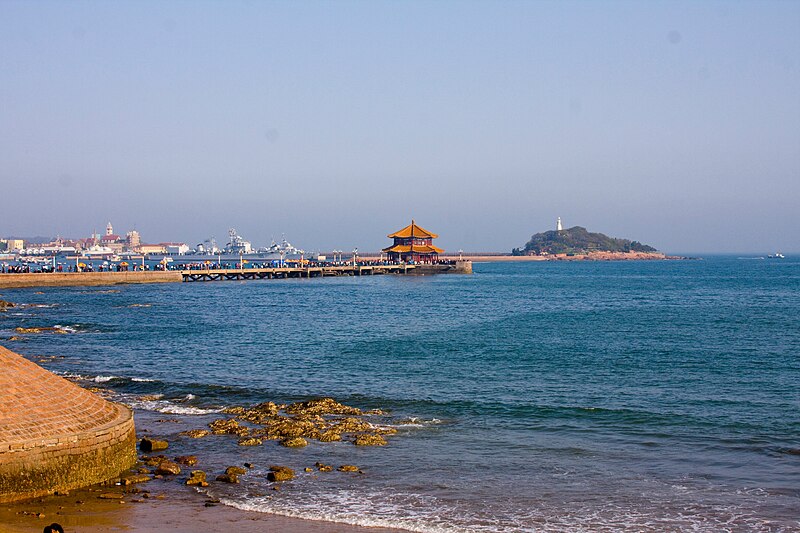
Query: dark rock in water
x,y
236,410
235,470
249,465
289,428
350,425
280,473
250,441
267,408
150,398
297,442
155,460
5,305
110,496
793,451
369,439
323,406
135,478
228,426
50,329
197,477
322,467
188,460
228,478
348,468
168,468
152,445
195,433
330,436
308,469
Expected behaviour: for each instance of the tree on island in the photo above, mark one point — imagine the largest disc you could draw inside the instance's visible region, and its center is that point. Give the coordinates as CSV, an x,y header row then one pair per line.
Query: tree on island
x,y
576,241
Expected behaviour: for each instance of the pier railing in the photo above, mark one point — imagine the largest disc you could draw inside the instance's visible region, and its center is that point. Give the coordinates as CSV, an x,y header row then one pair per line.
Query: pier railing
x,y
225,274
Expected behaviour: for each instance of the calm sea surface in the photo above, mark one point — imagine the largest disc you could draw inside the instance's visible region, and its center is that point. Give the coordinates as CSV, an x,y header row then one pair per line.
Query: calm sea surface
x,y
622,396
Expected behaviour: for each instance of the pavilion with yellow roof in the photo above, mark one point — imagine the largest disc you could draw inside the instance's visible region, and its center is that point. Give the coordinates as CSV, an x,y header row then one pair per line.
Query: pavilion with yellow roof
x,y
413,244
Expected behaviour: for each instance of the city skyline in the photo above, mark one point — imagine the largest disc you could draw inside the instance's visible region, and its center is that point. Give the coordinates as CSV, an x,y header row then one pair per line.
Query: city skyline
x,y
672,123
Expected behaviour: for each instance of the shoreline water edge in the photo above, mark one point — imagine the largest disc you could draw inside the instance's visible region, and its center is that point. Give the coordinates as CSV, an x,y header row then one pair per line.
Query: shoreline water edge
x,y
160,505
596,421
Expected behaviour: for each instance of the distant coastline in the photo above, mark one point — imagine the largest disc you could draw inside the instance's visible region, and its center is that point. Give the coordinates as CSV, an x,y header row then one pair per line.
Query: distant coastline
x,y
590,256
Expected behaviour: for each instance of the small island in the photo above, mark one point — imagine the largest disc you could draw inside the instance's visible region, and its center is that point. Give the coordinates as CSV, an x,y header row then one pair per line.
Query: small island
x,y
577,243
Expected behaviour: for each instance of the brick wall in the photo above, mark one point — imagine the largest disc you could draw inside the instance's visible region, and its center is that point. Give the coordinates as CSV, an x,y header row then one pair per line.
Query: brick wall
x,y
55,435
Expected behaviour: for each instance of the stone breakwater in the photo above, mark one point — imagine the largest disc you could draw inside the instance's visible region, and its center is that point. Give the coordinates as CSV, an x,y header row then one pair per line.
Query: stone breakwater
x,y
55,435
67,279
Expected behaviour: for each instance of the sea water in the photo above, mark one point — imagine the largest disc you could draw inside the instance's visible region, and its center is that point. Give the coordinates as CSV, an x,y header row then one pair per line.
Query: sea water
x,y
547,396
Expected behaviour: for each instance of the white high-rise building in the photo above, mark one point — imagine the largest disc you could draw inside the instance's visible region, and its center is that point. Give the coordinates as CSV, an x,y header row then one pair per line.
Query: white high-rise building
x,y
558,224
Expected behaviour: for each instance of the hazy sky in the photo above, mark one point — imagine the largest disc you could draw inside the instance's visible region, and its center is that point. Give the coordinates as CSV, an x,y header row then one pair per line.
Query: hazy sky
x,y
674,123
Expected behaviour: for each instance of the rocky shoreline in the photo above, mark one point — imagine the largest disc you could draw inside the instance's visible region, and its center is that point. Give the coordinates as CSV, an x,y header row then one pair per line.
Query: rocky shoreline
x,y
165,492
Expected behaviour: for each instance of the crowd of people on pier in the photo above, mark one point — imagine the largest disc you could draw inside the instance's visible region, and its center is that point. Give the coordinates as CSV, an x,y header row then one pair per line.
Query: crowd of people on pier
x,y
27,268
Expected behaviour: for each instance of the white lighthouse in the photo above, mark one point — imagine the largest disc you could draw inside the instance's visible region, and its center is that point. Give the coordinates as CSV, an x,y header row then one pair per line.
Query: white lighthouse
x,y
558,224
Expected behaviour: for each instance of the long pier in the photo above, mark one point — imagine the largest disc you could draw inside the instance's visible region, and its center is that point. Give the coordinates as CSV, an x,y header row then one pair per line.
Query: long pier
x,y
228,274
66,279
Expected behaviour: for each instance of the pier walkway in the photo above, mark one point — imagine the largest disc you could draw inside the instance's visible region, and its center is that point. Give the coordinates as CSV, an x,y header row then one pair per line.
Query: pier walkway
x,y
66,279
225,274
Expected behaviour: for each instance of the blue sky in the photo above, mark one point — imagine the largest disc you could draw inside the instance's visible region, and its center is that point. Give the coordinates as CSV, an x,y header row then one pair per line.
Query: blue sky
x,y
334,123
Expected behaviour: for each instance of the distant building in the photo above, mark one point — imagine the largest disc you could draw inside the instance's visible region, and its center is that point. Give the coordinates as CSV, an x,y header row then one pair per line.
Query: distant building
x,y
154,249
13,245
109,229
413,243
132,239
559,227
175,248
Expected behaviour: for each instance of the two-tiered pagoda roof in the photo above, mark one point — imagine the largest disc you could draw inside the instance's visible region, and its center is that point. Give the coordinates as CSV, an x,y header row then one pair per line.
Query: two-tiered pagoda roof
x,y
413,243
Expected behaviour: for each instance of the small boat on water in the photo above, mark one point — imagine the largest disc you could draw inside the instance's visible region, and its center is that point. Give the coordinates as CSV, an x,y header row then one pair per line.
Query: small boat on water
x,y
776,255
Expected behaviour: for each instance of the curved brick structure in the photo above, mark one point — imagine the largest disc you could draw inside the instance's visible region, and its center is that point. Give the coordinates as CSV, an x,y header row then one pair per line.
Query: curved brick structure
x,y
55,435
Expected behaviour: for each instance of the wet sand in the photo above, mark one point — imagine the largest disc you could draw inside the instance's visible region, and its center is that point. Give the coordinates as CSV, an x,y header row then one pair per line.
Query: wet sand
x,y
182,510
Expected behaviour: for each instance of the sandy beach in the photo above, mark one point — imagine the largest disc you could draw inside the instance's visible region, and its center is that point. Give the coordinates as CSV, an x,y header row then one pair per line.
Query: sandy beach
x,y
167,507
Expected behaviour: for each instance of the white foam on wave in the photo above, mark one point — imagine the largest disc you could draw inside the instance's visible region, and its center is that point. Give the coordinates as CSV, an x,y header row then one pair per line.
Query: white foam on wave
x,y
153,402
172,409
415,422
168,407
420,513
360,513
73,376
69,329
99,378
430,514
